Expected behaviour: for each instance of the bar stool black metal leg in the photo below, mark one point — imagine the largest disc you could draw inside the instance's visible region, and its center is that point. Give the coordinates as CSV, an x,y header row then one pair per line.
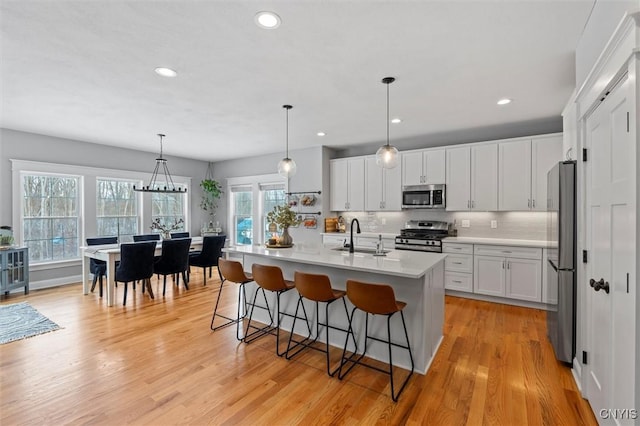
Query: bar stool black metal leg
x,y
259,331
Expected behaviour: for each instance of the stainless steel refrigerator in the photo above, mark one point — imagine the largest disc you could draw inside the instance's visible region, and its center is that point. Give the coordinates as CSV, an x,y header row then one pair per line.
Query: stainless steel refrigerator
x,y
561,234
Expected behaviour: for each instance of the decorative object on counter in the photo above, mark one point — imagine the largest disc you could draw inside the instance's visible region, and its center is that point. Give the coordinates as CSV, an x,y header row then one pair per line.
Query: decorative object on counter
x,y
286,166
342,226
154,186
387,155
211,193
284,217
331,224
165,230
211,229
6,236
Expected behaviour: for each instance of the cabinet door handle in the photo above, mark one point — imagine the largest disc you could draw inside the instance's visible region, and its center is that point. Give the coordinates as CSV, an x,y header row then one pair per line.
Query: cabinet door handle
x,y
503,262
534,203
529,202
457,263
468,204
508,265
473,204
457,281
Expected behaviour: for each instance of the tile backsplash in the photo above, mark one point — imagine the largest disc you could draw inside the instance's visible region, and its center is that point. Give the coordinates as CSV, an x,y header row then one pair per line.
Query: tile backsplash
x,y
517,225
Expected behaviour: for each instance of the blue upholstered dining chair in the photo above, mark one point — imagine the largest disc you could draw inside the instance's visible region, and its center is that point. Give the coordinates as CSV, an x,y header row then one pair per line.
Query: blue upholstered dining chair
x,y
174,260
208,257
136,263
99,267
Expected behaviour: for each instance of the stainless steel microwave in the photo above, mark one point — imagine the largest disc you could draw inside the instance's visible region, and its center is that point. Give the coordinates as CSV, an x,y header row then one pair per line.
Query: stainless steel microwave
x,y
424,197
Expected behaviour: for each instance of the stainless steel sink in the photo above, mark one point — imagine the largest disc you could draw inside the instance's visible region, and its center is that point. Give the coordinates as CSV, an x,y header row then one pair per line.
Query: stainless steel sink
x,y
360,250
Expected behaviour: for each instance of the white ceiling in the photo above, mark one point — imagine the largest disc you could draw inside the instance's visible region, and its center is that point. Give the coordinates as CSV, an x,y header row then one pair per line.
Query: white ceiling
x,y
85,70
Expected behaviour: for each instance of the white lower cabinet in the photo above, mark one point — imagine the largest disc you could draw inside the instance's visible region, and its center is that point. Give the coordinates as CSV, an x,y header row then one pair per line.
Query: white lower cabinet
x,y
458,266
513,272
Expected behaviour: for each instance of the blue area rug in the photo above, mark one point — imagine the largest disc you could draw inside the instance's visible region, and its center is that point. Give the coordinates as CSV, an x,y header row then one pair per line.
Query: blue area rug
x,y
20,320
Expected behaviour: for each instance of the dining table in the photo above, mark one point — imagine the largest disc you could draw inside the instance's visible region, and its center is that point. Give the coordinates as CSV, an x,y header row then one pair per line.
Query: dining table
x,y
110,253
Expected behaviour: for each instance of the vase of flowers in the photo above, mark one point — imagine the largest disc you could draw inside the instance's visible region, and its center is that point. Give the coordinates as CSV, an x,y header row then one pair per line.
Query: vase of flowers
x,y
284,217
165,229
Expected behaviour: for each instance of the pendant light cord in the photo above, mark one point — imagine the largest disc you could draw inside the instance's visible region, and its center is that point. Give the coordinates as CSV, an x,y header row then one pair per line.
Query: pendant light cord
x,y
387,114
287,156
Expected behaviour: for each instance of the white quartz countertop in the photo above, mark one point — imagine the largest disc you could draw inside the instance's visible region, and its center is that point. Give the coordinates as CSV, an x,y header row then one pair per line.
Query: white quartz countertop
x,y
397,262
498,241
363,234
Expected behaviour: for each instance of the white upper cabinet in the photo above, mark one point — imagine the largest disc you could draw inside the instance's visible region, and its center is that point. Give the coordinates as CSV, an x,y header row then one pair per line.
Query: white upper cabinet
x,y
472,177
524,165
382,187
514,184
423,167
458,178
347,184
545,153
484,177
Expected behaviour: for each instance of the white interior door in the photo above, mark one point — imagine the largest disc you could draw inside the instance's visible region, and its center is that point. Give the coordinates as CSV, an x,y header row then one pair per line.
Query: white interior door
x,y
598,143
610,238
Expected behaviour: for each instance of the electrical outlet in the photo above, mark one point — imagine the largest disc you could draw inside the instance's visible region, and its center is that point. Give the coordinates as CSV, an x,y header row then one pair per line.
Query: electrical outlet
x,y
383,221
466,223
494,224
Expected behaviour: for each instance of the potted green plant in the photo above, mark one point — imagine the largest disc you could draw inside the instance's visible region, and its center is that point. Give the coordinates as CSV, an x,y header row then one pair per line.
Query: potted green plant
x,y
211,193
284,217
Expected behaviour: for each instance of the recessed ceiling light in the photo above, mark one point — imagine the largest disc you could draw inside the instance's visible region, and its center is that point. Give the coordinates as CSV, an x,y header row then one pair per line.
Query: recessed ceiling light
x,y
321,134
267,20
504,101
396,120
166,72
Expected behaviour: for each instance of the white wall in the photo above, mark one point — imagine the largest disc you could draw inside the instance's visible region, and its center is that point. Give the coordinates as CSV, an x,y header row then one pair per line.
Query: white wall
x,y
605,17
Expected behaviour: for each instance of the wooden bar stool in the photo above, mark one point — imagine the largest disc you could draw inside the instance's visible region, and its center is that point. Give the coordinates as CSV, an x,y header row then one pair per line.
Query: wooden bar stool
x,y
375,299
232,271
268,278
316,288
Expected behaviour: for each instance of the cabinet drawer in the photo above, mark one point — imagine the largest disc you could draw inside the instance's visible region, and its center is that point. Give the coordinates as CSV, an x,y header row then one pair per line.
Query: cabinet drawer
x,y
508,251
459,263
458,281
457,248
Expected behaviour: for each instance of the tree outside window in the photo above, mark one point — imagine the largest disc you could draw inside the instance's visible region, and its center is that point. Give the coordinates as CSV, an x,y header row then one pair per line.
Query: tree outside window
x,y
50,217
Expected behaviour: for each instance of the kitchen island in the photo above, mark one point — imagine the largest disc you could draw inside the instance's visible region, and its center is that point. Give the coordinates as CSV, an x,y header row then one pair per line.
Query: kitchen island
x,y
417,278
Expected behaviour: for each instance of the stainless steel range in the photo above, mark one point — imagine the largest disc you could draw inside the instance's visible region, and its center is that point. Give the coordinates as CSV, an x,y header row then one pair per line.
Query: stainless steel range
x,y
422,235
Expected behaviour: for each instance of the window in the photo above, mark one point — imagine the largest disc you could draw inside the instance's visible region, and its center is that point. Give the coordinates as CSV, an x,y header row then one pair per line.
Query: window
x,y
250,199
271,195
116,208
169,208
50,216
56,206
242,212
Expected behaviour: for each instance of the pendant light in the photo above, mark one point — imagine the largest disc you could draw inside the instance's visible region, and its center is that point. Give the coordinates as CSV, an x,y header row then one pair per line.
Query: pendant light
x,y
161,167
387,155
286,166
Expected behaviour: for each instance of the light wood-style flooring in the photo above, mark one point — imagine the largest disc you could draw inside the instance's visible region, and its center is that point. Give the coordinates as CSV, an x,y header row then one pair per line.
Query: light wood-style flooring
x,y
157,362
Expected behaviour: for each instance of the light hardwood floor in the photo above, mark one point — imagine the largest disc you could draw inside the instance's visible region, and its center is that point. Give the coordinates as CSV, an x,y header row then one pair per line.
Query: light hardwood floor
x,y
157,362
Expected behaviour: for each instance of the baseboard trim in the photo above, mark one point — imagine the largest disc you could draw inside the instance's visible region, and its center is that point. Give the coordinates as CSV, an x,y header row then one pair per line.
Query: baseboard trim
x,y
55,282
496,299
